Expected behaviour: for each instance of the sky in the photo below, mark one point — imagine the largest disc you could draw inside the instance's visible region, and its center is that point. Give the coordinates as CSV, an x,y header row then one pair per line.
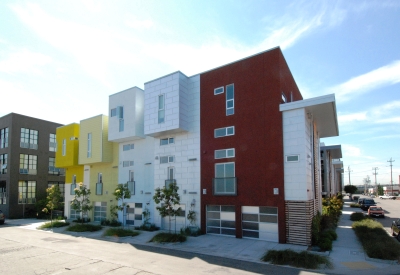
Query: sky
x,y
60,60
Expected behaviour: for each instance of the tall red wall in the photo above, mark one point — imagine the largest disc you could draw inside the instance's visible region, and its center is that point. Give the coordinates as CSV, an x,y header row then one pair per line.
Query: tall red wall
x,y
258,141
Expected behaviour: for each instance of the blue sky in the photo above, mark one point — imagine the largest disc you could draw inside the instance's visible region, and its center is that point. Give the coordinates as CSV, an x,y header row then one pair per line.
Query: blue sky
x,y
60,60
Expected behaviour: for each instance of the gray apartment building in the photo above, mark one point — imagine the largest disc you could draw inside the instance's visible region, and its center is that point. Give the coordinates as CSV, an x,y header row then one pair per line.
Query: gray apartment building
x,y
27,163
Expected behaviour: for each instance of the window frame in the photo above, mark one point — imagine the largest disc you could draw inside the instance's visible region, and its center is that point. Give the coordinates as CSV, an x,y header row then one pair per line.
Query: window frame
x,y
169,157
219,88
226,131
226,153
230,110
89,145
161,108
293,155
167,141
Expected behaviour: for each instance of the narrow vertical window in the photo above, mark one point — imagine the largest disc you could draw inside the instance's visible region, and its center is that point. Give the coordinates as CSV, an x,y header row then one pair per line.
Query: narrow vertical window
x,y
230,105
89,145
161,110
52,143
131,182
99,184
64,147
121,118
4,138
73,185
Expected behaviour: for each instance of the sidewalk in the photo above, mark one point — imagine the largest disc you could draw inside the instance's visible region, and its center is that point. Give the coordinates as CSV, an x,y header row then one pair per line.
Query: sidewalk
x,y
347,255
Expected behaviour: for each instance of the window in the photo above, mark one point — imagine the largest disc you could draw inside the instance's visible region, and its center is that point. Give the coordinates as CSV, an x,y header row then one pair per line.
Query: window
x,y
27,164
4,138
166,141
170,177
64,147
113,112
3,164
26,192
166,159
99,184
52,143
3,192
29,138
128,147
131,182
52,168
225,181
161,110
222,132
283,98
225,153
89,145
73,185
127,163
120,113
292,158
230,105
219,90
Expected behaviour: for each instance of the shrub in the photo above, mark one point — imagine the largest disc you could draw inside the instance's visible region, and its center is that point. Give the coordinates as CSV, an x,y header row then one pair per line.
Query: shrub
x,y
298,259
316,228
357,216
84,228
354,205
191,231
168,238
80,220
147,227
120,232
325,243
113,223
375,240
53,224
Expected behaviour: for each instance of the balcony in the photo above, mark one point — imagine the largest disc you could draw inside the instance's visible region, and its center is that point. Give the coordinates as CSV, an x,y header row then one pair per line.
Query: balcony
x,y
225,186
168,182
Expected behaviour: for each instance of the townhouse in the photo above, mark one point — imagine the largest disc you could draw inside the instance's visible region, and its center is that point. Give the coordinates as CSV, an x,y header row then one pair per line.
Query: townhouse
x,y
27,163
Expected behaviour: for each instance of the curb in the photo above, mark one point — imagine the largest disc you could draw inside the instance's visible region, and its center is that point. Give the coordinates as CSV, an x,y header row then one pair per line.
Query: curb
x,y
391,262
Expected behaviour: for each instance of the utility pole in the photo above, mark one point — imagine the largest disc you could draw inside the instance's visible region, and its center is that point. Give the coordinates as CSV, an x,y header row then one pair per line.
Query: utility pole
x,y
391,175
375,173
348,169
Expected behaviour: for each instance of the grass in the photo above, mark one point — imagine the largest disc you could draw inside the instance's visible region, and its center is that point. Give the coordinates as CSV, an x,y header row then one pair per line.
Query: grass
x,y
120,232
84,227
53,224
302,259
375,240
168,238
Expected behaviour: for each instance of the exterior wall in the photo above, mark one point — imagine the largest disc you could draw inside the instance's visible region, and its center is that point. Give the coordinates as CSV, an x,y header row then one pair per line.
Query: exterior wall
x,y
186,146
71,135
101,147
132,101
259,82
175,89
15,122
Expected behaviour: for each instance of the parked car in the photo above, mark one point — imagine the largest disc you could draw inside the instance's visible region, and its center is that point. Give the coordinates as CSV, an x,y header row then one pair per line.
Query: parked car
x,y
360,200
384,197
376,211
2,217
366,203
396,229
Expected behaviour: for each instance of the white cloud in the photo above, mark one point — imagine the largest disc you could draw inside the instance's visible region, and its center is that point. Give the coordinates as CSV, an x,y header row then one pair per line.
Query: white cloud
x,y
381,77
24,61
352,117
351,150
139,24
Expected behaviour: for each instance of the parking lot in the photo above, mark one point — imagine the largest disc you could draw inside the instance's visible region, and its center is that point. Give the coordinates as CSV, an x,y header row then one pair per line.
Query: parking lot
x,y
391,207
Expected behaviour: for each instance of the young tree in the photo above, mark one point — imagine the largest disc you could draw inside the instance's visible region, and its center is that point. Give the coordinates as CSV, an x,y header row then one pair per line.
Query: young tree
x,y
81,202
351,189
54,200
169,198
122,192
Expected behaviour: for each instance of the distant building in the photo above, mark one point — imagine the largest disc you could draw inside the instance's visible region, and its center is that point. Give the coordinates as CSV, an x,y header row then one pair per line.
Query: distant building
x,y
27,163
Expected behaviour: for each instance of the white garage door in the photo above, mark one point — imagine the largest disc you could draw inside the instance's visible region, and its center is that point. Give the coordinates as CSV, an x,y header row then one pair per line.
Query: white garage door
x,y
260,222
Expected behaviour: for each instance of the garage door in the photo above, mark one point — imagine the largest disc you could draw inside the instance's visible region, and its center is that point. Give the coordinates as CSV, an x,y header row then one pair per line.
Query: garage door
x,y
260,222
134,214
221,220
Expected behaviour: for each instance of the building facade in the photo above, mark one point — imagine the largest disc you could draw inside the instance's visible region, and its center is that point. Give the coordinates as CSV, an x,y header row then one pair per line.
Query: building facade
x,y
27,162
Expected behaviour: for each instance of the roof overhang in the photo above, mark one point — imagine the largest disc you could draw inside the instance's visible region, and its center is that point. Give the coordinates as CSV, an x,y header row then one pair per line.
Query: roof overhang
x,y
323,111
335,150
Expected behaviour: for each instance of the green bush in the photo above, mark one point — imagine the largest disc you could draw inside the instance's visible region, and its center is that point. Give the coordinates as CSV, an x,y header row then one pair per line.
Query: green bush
x,y
331,233
316,228
168,238
354,205
113,223
298,259
190,231
84,228
53,224
357,216
147,227
375,240
120,232
325,243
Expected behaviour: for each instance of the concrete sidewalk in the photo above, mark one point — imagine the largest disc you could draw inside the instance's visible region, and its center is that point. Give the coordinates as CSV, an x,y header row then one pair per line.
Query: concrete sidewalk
x,y
347,255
